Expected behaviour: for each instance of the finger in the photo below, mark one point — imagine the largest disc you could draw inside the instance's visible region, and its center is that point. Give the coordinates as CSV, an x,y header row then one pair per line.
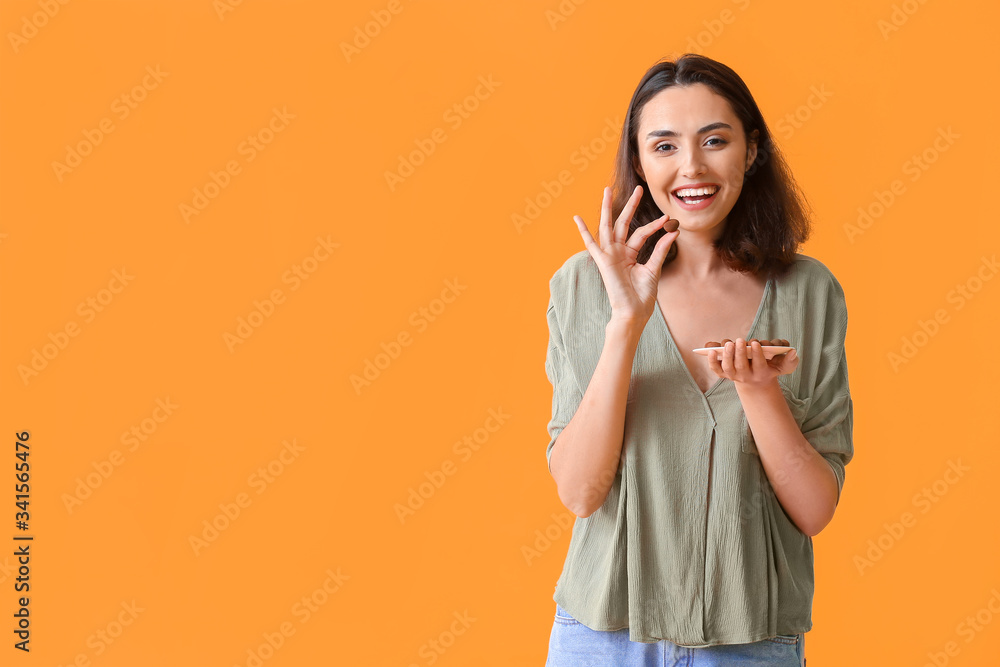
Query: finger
x,y
715,364
727,359
778,361
660,250
637,239
790,361
787,362
625,217
757,354
740,356
604,231
588,240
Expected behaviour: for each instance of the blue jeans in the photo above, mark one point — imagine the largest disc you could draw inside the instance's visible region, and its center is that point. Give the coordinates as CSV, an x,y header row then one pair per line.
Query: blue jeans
x,y
573,644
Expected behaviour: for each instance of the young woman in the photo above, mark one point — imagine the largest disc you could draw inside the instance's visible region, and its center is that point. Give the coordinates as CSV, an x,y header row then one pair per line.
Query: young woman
x,y
698,481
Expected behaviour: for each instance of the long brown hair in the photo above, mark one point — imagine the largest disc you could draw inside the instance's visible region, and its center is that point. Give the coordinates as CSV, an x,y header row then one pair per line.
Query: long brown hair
x,y
769,220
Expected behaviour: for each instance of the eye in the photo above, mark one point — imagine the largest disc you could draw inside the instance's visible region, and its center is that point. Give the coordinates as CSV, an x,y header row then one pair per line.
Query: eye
x,y
721,142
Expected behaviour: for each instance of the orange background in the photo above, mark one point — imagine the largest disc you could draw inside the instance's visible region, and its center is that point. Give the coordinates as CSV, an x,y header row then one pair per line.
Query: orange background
x,y
479,349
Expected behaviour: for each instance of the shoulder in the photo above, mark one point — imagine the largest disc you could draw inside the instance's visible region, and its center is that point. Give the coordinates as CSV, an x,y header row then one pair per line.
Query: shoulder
x,y
578,276
814,276
817,294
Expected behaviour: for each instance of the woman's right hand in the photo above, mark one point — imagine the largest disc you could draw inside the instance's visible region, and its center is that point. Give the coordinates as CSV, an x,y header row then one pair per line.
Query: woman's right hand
x,y
631,286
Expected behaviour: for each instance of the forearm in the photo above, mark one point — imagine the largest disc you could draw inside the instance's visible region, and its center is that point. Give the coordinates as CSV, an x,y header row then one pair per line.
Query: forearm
x,y
585,456
803,481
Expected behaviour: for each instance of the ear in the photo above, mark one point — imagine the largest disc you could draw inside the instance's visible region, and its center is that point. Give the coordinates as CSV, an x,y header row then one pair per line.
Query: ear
x,y
751,149
637,164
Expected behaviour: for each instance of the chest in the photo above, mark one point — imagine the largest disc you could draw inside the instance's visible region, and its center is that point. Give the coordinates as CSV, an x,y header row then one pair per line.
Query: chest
x,y
696,317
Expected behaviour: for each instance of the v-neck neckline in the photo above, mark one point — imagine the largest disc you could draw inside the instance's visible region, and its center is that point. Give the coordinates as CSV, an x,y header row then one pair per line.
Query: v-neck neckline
x,y
768,286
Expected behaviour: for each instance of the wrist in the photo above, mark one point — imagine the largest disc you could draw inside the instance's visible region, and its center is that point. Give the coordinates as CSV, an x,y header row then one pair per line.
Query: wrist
x,y
624,329
758,388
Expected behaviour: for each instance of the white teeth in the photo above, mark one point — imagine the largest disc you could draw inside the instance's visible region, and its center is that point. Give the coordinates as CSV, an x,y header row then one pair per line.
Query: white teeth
x,y
693,192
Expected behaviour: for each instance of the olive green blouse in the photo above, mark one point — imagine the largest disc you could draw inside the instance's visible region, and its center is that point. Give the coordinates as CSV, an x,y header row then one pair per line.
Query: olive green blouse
x,y
691,544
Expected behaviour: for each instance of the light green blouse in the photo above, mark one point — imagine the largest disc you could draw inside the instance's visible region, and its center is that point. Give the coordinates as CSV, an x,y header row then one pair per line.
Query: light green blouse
x,y
691,544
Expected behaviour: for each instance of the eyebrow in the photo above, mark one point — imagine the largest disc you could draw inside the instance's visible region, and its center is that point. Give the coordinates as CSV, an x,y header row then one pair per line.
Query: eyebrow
x,y
708,128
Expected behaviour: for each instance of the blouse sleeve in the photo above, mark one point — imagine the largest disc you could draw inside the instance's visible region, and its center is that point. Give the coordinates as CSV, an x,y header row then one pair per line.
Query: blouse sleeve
x,y
566,395
829,419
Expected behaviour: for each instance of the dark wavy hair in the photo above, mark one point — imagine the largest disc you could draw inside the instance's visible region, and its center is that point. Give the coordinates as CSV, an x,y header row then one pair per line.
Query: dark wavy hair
x,y
769,220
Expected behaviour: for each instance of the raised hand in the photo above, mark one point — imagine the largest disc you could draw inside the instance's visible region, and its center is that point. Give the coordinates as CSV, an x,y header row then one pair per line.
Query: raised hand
x,y
631,286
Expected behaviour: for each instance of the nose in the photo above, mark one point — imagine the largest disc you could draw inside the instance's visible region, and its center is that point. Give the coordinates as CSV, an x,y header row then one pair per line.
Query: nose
x,y
693,163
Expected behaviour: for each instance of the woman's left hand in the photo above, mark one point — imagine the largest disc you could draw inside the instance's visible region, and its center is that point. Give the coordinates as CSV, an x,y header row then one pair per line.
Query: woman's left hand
x,y
753,371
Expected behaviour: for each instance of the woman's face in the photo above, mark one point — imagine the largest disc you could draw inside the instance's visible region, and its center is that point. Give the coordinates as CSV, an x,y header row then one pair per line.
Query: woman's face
x,y
689,135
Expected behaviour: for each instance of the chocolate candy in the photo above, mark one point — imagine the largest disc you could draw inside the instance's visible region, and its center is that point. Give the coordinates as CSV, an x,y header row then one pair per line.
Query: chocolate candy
x,y
671,224
773,342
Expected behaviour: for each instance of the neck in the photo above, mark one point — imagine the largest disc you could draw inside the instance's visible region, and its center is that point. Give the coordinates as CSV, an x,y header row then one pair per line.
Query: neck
x,y
696,260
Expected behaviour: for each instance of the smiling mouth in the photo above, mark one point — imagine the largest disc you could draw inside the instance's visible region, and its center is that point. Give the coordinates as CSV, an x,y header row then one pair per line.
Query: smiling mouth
x,y
695,195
